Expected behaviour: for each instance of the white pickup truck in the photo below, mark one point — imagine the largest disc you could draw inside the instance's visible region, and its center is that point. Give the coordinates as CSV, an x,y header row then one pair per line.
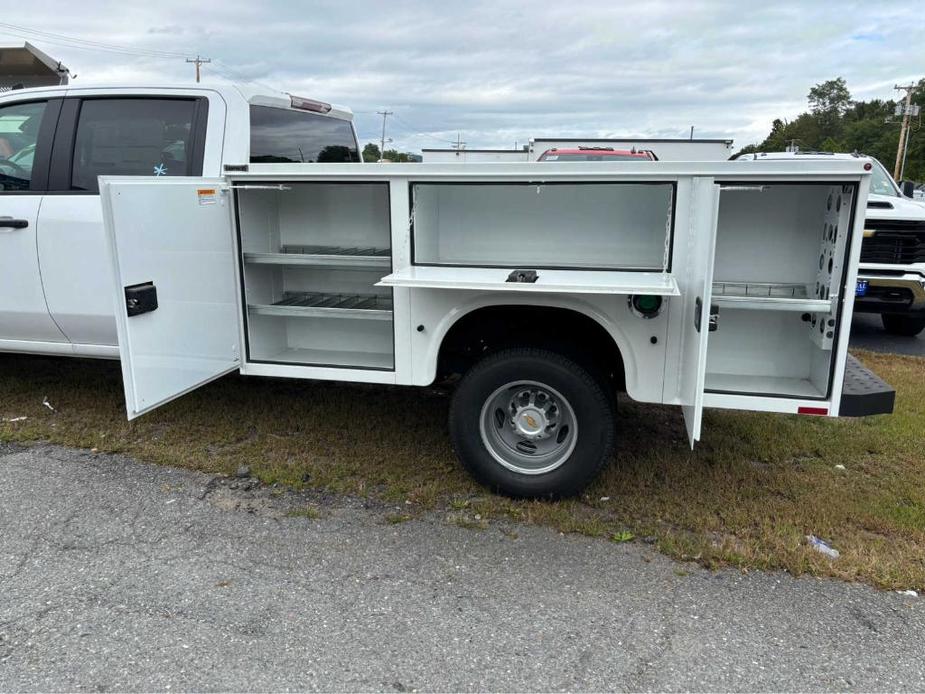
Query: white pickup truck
x,y
55,282
891,278
540,290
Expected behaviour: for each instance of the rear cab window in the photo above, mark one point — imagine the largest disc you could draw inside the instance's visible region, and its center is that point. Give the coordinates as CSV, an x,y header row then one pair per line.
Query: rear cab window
x,y
135,137
280,135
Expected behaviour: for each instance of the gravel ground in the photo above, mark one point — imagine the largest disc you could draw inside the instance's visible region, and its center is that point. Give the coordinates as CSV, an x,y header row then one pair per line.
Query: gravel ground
x,y
116,575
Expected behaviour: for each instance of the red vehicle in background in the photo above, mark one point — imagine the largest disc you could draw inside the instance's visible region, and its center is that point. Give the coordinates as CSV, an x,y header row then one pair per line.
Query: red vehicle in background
x,y
598,154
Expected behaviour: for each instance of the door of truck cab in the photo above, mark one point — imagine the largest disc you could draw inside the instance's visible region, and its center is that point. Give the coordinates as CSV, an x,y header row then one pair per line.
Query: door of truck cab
x,y
172,258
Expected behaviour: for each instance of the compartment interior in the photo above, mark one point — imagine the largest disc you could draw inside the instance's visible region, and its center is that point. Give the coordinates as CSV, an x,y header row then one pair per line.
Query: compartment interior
x,y
312,254
766,353
780,251
536,225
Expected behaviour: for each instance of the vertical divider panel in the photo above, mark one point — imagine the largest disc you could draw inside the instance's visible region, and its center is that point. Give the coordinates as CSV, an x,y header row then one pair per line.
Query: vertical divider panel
x,y
855,224
400,219
696,283
834,234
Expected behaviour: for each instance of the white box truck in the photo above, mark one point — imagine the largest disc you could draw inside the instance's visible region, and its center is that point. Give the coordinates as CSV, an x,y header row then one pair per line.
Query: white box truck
x,y
665,149
541,290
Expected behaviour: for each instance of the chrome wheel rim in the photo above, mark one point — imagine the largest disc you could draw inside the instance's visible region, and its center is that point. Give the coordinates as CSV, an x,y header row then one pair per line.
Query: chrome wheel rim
x,y
528,427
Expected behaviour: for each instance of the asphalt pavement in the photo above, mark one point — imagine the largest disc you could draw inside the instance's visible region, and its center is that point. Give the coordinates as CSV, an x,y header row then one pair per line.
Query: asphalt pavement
x,y
116,575
867,333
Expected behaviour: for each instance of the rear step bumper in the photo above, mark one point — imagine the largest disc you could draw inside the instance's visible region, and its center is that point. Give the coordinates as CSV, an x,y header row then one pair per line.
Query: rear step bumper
x,y
864,392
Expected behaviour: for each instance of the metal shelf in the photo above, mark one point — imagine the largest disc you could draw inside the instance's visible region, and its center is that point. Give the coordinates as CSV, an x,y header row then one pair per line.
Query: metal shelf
x,y
318,256
768,296
548,281
320,305
381,361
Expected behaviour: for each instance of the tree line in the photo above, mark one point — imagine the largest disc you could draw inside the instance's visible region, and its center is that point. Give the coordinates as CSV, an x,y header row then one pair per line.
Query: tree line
x,y
837,123
371,154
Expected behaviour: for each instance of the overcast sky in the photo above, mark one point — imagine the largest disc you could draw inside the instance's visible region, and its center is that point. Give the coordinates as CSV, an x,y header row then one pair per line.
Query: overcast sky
x,y
499,72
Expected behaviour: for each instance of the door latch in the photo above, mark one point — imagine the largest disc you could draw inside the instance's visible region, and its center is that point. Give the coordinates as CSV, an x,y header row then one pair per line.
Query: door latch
x,y
713,319
140,298
524,276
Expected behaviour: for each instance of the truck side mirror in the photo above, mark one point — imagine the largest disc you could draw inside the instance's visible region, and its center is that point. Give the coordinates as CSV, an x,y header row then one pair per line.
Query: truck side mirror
x,y
908,188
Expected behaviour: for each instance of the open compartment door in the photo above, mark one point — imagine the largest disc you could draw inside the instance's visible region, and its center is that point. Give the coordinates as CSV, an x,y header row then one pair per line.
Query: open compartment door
x,y
171,251
696,284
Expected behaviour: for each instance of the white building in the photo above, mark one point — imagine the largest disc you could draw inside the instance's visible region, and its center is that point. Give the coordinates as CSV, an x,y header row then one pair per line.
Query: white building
x,y
474,156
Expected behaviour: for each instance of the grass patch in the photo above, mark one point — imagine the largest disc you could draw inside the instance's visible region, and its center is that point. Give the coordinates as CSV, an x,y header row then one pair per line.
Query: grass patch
x,y
622,536
309,512
747,497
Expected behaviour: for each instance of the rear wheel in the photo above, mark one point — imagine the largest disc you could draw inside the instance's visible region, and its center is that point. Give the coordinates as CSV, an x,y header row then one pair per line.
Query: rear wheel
x,y
899,324
532,423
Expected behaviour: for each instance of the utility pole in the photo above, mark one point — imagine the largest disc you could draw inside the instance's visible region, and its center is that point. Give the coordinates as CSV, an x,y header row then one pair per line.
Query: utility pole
x,y
198,62
459,143
384,114
903,131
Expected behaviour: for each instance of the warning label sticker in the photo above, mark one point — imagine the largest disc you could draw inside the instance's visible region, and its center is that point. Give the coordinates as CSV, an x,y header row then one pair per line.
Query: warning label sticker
x,y
206,196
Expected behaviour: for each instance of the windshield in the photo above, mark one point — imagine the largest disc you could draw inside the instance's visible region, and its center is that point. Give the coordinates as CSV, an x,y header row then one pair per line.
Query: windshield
x,y
880,181
283,135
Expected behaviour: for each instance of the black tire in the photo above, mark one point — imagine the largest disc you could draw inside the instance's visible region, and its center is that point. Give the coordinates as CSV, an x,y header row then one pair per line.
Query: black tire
x,y
590,400
905,325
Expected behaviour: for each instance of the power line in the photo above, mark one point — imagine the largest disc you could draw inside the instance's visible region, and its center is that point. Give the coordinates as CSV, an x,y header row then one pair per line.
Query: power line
x,y
236,76
421,131
85,44
99,46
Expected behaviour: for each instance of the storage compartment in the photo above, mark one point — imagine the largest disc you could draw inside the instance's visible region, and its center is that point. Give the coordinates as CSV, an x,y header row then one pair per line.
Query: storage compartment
x,y
778,282
781,246
312,255
766,353
619,226
321,341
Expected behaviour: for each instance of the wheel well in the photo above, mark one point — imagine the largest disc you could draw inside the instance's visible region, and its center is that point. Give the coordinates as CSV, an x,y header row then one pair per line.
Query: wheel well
x,y
562,330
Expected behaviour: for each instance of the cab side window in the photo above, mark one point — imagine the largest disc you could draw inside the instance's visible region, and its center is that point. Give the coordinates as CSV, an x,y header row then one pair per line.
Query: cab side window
x,y
133,137
19,134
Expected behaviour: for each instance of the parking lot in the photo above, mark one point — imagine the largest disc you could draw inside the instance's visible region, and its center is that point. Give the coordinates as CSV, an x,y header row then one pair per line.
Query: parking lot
x,y
123,576
867,333
120,575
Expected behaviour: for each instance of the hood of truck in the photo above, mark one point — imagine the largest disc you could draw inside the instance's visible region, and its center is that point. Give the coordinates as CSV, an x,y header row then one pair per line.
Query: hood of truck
x,y
902,208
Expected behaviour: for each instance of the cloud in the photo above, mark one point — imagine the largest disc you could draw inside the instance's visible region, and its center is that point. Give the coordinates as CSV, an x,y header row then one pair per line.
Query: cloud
x,y
497,72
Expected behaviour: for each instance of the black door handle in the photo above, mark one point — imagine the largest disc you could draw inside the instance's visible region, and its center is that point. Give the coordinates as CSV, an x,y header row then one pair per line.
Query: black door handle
x,y
10,223
140,298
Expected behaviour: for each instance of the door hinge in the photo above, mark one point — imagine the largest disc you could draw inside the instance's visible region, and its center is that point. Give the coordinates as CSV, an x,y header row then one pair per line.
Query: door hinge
x,y
255,187
713,320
